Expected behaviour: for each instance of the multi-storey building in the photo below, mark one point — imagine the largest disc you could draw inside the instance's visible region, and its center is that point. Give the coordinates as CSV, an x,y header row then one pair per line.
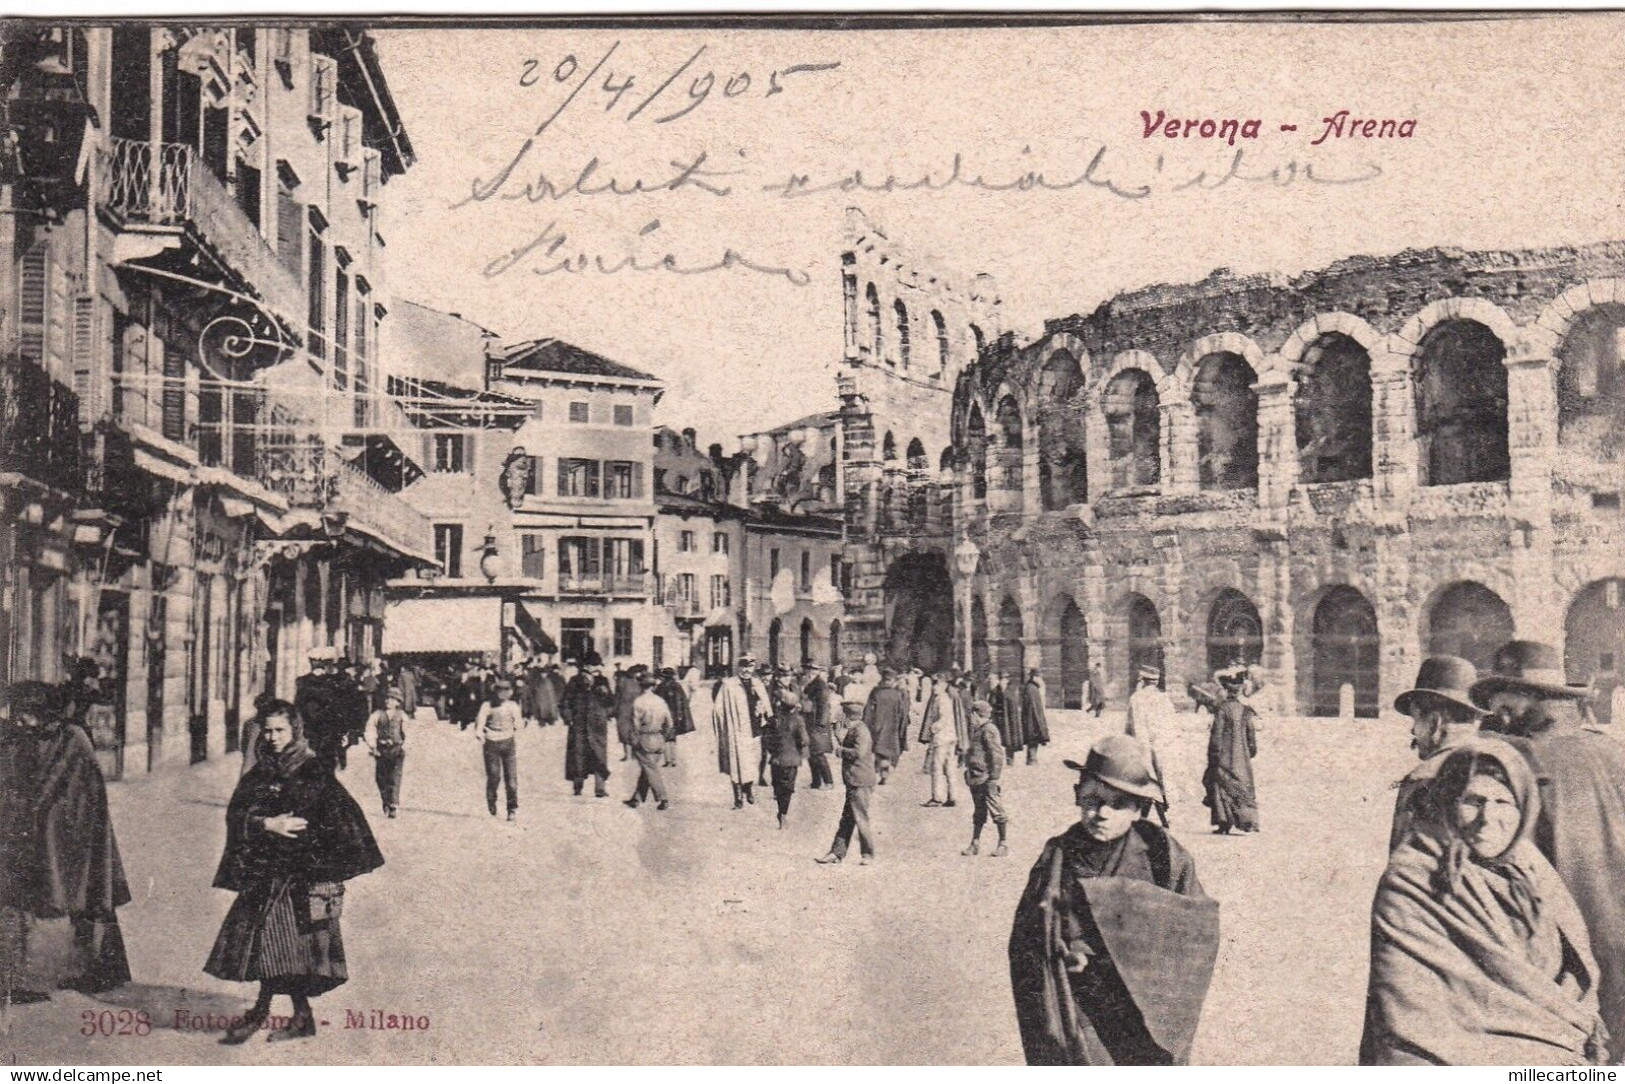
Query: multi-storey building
x,y
699,553
1332,475
193,283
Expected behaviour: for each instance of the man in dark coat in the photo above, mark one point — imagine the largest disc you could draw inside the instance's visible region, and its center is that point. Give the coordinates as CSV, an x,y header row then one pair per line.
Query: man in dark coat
x,y
815,696
1015,721
886,716
1581,770
786,743
984,763
1443,717
1095,694
1231,746
587,706
627,690
682,717
1114,940
1034,725
61,879
331,706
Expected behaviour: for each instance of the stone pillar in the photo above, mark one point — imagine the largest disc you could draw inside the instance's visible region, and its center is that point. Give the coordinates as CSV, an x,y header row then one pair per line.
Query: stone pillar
x,y
1181,469
1277,441
1098,449
1395,457
1397,617
1275,608
135,664
1094,602
1032,497
1532,443
1175,620
1032,622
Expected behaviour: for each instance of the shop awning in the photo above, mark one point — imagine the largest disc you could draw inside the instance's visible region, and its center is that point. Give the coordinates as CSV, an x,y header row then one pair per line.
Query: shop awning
x,y
465,626
719,618
531,629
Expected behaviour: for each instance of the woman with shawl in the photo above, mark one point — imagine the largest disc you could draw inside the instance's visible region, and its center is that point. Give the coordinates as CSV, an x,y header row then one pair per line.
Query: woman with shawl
x,y
1479,955
293,837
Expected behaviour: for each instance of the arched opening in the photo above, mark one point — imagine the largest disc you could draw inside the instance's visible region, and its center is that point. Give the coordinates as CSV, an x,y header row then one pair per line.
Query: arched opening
x,y
806,642
981,657
1144,638
1008,420
940,326
1461,404
1591,384
876,333
1469,620
916,459
979,338
1063,477
976,446
945,462
1344,651
1594,645
900,311
775,653
1011,652
1066,653
849,300
835,642
919,495
1226,422
888,447
1133,429
1333,411
919,604
1235,633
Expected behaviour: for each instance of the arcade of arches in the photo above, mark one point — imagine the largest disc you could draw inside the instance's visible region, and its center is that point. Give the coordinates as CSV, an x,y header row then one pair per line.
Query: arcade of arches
x,y
919,604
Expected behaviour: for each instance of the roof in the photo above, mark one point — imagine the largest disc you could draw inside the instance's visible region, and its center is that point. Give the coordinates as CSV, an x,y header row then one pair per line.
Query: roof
x,y
558,356
684,503
815,421
409,386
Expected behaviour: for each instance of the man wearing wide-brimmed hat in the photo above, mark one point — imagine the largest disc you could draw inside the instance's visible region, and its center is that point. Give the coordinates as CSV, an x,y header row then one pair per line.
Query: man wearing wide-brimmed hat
x,y
331,706
1443,716
1582,789
1114,940
497,728
587,705
385,738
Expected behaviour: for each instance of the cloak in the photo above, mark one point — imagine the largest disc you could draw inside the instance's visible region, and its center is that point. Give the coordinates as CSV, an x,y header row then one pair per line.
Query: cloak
x,y
1034,726
682,718
732,722
886,715
1582,832
541,701
1015,732
332,707
408,682
1231,746
815,708
586,707
1137,911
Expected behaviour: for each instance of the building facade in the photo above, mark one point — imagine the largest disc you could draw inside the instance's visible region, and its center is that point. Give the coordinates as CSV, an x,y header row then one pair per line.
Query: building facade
x,y
1332,475
193,281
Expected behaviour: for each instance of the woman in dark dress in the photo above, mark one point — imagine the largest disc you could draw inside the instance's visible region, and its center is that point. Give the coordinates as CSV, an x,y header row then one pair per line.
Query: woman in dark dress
x,y
293,837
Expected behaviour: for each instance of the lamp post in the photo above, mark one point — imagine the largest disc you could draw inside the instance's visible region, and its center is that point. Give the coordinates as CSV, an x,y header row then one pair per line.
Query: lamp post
x,y
490,563
966,557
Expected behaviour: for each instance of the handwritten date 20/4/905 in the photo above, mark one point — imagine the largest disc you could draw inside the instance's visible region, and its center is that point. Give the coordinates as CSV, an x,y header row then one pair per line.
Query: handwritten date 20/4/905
x,y
617,87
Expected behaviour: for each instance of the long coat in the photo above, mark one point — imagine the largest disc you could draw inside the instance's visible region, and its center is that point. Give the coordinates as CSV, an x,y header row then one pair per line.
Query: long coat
x,y
407,680
627,690
886,715
1232,743
1015,730
1034,725
587,706
682,716
815,710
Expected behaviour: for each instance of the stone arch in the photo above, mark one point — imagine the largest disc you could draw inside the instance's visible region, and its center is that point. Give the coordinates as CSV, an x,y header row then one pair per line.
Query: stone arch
x,y
1460,395
1011,427
945,463
1589,380
1143,645
1226,409
1235,631
1474,309
939,327
1063,459
979,339
835,641
976,450
904,339
915,457
1290,356
806,642
1010,653
1344,649
1467,619
1059,377
1130,409
877,338
1065,641
919,607
775,649
1333,408
888,447
1183,378
1594,644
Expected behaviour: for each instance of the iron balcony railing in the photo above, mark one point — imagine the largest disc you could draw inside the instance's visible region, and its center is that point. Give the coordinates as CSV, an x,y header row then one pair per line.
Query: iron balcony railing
x,y
682,605
603,583
170,184
310,475
39,426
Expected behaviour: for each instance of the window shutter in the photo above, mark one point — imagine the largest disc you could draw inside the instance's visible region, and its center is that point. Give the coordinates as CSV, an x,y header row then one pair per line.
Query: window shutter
x,y
637,481
469,445
564,477
289,218
428,453
174,397
533,482
33,301
86,357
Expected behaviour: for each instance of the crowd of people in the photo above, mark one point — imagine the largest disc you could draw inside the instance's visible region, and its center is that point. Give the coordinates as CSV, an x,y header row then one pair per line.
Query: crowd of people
x,y
1497,932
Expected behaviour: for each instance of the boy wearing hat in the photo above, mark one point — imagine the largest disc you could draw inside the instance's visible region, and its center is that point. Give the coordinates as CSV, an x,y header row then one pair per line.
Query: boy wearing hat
x,y
1582,808
651,730
984,763
1443,716
385,738
1114,940
496,727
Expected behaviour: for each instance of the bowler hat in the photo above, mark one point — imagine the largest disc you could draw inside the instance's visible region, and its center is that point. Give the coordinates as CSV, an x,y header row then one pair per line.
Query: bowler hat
x,y
1528,666
1118,761
981,709
1448,678
592,659
667,672
1150,673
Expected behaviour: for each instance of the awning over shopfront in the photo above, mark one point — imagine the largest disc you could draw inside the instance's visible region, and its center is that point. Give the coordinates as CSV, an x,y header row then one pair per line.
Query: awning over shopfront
x,y
531,629
719,618
465,626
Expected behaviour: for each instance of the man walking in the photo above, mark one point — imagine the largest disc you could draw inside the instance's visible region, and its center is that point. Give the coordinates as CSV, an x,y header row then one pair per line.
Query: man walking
x,y
984,762
627,690
497,728
1582,786
1149,713
1443,716
886,715
943,730
330,706
682,719
734,721
858,773
651,731
1034,724
1231,746
786,744
816,718
586,706
385,739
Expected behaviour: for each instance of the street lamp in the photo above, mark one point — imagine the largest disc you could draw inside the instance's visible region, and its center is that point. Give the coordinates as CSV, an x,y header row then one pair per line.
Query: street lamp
x,y
967,555
490,563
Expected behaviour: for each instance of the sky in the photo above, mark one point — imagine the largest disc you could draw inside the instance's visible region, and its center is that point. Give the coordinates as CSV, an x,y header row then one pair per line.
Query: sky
x,y
1515,144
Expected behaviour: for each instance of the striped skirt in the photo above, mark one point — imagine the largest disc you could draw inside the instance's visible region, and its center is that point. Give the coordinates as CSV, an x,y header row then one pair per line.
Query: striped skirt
x,y
284,934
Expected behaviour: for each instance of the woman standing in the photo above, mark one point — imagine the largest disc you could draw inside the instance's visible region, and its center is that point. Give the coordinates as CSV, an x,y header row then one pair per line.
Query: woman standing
x,y
1479,955
293,837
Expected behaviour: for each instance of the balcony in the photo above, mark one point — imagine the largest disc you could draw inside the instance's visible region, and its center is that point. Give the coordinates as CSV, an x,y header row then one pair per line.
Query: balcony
x,y
39,427
603,583
169,187
309,475
683,606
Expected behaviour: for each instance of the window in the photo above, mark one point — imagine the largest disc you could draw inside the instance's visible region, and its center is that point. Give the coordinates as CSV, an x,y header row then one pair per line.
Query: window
x,y
806,570
623,556
623,636
835,569
772,563
449,453
532,555
719,543
317,291
363,378
659,652
660,480
578,557
448,548
578,477
721,592
685,542
901,311
341,328
621,481
941,327
578,412
684,582
623,415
